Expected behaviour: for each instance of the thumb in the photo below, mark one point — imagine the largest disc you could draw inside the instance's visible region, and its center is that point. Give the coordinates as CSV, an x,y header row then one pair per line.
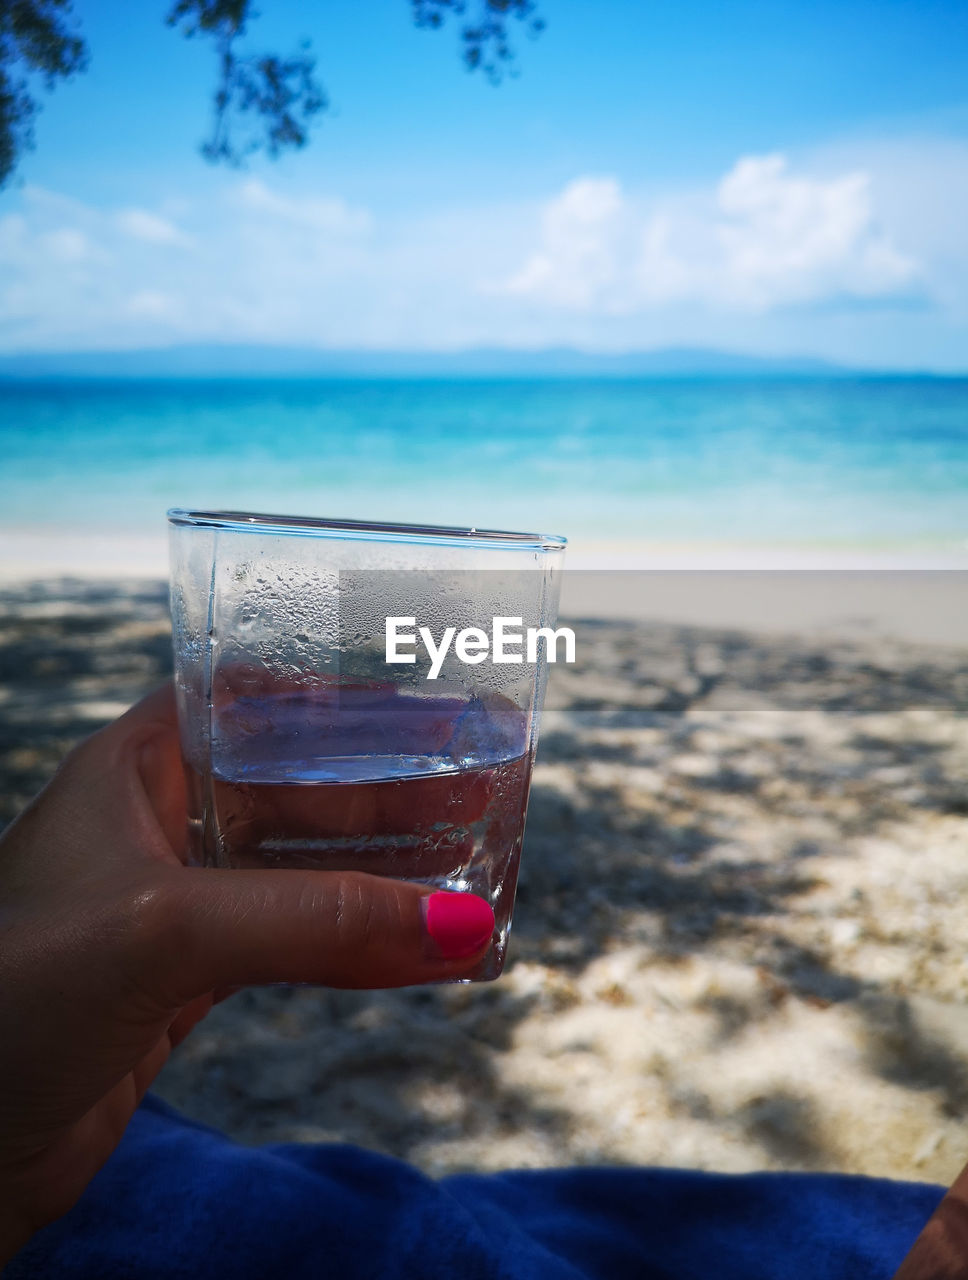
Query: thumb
x,y
332,928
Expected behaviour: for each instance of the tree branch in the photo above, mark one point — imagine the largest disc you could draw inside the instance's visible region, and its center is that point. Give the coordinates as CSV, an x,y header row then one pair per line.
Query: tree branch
x,y
261,102
36,34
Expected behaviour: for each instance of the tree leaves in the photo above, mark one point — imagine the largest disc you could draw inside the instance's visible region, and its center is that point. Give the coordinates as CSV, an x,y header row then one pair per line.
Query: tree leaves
x,y
485,38
36,34
262,102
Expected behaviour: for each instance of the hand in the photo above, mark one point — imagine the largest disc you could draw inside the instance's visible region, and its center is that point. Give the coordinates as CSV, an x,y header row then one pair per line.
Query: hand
x,y
111,950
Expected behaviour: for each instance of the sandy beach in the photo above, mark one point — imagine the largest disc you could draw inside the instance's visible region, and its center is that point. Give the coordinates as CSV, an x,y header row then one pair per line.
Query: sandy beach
x,y
741,927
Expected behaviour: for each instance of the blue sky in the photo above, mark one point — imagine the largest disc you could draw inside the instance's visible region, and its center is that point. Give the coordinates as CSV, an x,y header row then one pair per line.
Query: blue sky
x,y
766,177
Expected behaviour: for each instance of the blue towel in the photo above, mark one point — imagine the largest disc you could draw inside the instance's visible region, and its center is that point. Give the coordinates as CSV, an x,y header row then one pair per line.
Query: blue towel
x,y
180,1200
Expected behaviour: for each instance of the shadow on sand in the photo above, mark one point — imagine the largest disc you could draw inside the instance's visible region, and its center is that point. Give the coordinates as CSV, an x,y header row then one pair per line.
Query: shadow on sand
x,y
648,751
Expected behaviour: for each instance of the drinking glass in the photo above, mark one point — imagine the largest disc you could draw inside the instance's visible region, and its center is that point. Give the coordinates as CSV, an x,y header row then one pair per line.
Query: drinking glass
x,y
324,724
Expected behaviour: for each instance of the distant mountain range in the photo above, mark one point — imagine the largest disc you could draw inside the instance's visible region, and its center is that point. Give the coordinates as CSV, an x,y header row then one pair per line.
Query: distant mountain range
x,y
239,361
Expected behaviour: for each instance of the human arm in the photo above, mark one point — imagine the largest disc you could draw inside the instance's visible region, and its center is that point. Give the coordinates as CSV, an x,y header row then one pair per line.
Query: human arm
x,y
111,950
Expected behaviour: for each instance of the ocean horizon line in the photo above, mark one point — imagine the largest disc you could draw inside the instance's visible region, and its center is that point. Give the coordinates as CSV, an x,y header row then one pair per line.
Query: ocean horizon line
x,y
254,361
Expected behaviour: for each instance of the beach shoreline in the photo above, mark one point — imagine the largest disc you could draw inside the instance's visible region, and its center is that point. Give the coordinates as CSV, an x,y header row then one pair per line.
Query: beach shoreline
x,y
911,596
31,552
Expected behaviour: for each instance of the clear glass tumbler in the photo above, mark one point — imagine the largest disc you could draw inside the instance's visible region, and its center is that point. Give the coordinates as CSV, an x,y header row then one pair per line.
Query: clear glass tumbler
x,y
343,702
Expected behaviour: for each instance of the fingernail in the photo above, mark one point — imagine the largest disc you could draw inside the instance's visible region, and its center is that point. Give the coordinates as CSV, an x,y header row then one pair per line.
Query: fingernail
x,y
459,923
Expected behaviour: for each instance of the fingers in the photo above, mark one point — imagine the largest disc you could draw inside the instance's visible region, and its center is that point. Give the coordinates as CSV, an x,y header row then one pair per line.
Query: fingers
x,y
156,709
134,760
196,931
147,735
162,778
188,1018
337,929
154,718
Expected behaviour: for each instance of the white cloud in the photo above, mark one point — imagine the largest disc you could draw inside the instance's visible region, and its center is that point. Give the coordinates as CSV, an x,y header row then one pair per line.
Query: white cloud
x,y
256,264
762,238
325,214
787,238
153,304
576,262
67,244
141,224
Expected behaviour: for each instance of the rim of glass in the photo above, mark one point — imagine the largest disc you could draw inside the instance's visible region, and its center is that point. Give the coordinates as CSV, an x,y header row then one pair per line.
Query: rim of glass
x,y
368,530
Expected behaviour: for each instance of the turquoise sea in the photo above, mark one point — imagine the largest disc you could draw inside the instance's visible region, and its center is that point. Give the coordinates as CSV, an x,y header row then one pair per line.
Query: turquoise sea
x,y
874,463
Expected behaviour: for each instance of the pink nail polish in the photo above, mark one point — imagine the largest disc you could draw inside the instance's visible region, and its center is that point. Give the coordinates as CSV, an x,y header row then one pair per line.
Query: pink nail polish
x,y
459,923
